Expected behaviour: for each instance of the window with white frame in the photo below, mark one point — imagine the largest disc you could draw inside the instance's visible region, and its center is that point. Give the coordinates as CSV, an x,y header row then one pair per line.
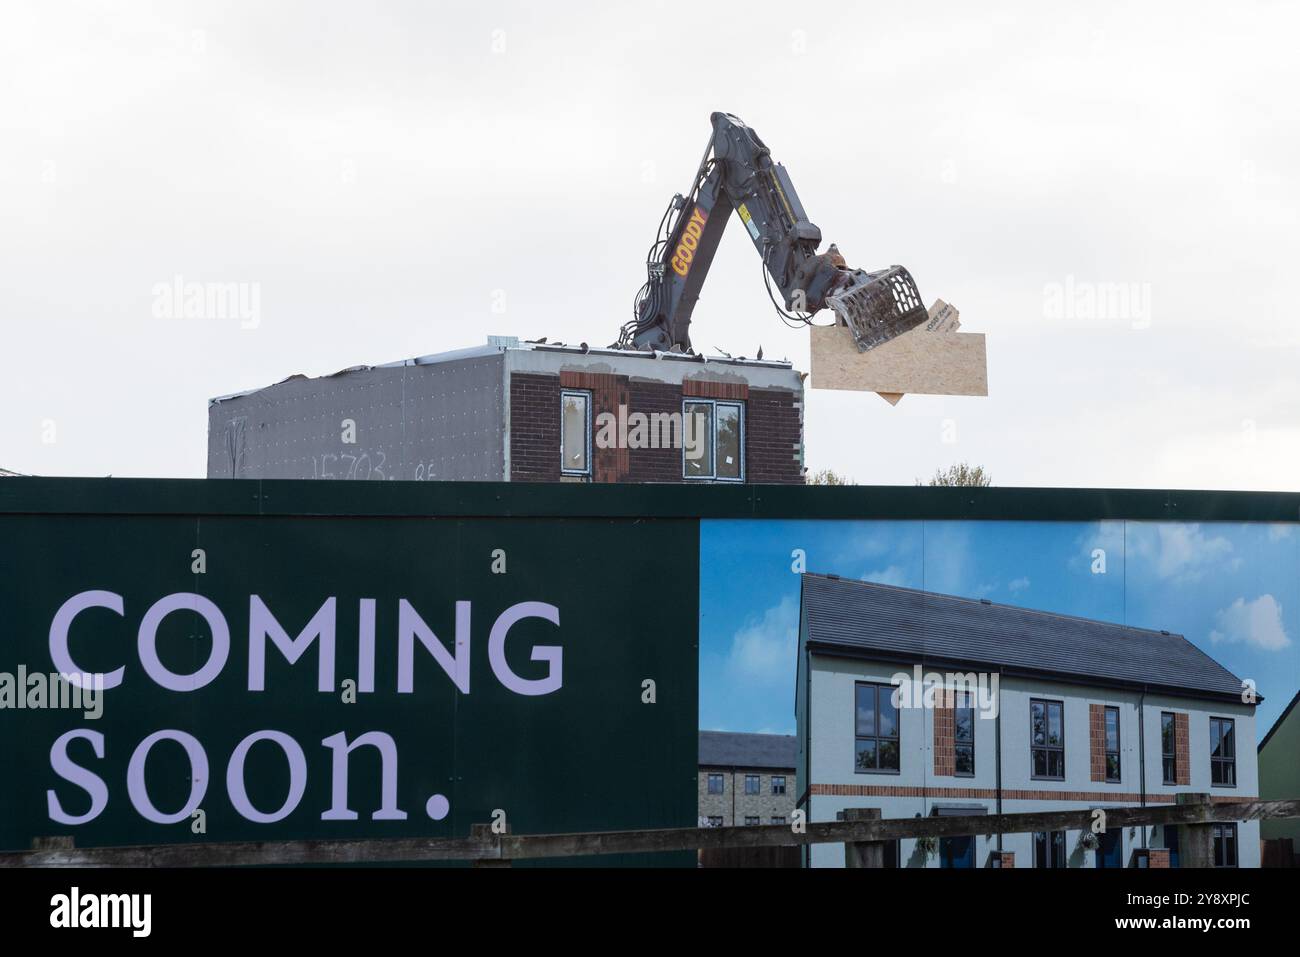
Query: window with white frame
x,y
575,432
713,440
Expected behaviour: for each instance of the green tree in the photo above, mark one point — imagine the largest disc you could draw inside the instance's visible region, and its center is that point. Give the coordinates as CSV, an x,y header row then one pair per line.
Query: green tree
x,y
829,477
972,476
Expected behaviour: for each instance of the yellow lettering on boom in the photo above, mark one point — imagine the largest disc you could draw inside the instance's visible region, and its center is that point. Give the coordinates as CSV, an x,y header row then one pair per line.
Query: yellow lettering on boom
x,y
685,251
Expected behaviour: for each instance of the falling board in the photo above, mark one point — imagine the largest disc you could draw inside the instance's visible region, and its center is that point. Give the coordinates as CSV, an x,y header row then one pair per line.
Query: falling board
x,y
920,361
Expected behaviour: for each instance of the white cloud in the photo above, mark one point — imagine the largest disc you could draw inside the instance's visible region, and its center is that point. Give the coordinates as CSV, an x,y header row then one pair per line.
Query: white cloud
x,y
1257,623
1019,584
1182,552
1280,532
893,575
764,650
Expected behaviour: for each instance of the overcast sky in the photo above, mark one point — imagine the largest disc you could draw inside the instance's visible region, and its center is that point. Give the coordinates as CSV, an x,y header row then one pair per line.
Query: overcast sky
x,y
397,179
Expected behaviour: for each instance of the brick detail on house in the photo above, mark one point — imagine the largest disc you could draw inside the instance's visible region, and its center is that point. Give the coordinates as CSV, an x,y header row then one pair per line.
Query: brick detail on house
x,y
534,428
706,389
1008,858
1158,857
589,380
663,464
1182,749
609,462
1097,741
773,427
945,727
773,437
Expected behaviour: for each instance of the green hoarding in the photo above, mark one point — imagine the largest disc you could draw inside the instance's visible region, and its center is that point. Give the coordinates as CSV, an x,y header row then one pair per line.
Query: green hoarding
x,y
592,590
280,677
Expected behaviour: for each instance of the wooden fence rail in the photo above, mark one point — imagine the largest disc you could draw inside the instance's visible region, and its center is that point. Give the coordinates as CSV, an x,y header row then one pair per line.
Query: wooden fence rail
x,y
484,846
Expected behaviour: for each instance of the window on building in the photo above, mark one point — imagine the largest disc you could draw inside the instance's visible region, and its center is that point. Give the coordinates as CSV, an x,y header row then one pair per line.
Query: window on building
x,y
1223,752
713,444
752,784
964,735
1168,748
778,818
778,784
1112,744
876,729
1047,739
1225,845
1171,843
957,851
575,432
715,820
751,820
715,784
893,853
1111,851
1049,849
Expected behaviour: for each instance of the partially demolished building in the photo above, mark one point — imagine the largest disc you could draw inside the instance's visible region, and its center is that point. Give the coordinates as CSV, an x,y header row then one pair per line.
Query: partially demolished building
x,y
521,411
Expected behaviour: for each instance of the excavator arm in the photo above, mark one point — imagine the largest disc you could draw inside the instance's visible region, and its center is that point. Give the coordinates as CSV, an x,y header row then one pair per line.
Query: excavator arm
x,y
737,173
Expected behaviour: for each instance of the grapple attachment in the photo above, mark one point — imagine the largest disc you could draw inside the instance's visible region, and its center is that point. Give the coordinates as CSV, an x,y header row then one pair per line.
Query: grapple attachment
x,y
877,306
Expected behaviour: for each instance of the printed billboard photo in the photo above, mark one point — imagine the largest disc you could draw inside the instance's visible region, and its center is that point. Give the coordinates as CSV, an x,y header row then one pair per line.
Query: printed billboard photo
x,y
934,668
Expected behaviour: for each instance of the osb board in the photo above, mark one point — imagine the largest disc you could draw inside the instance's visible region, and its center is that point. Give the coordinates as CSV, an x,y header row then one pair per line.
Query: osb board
x,y
918,361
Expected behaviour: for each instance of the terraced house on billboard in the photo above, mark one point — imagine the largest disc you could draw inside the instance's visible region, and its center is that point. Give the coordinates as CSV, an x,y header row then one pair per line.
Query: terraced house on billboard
x,y
1084,714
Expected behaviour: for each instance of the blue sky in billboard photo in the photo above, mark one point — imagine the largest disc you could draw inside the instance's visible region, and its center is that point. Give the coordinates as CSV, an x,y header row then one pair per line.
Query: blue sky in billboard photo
x,y
1231,589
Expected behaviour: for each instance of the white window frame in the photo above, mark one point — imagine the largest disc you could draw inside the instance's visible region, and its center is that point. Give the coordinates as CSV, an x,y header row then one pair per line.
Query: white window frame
x,y
585,395
739,405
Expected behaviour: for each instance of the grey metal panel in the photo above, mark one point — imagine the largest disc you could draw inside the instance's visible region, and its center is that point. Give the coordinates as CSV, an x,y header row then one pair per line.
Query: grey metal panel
x,y
725,749
864,616
443,421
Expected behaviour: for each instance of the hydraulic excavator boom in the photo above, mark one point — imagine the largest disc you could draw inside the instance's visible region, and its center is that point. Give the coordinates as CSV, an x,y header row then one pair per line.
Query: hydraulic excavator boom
x,y
737,173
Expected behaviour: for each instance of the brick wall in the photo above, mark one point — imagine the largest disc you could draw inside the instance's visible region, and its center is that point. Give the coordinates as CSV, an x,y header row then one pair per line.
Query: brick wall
x,y
945,727
1097,741
764,805
534,428
1182,747
774,437
654,465
773,427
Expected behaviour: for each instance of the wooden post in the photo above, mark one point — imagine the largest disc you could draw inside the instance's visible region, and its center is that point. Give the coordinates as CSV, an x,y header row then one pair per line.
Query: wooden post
x,y
484,832
863,853
1195,841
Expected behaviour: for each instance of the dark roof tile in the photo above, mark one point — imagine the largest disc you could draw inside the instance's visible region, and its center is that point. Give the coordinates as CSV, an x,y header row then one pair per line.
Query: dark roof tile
x,y
862,617
726,749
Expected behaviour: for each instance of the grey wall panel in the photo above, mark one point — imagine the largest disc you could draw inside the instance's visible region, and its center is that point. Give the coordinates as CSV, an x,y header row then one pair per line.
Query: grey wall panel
x,y
442,421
